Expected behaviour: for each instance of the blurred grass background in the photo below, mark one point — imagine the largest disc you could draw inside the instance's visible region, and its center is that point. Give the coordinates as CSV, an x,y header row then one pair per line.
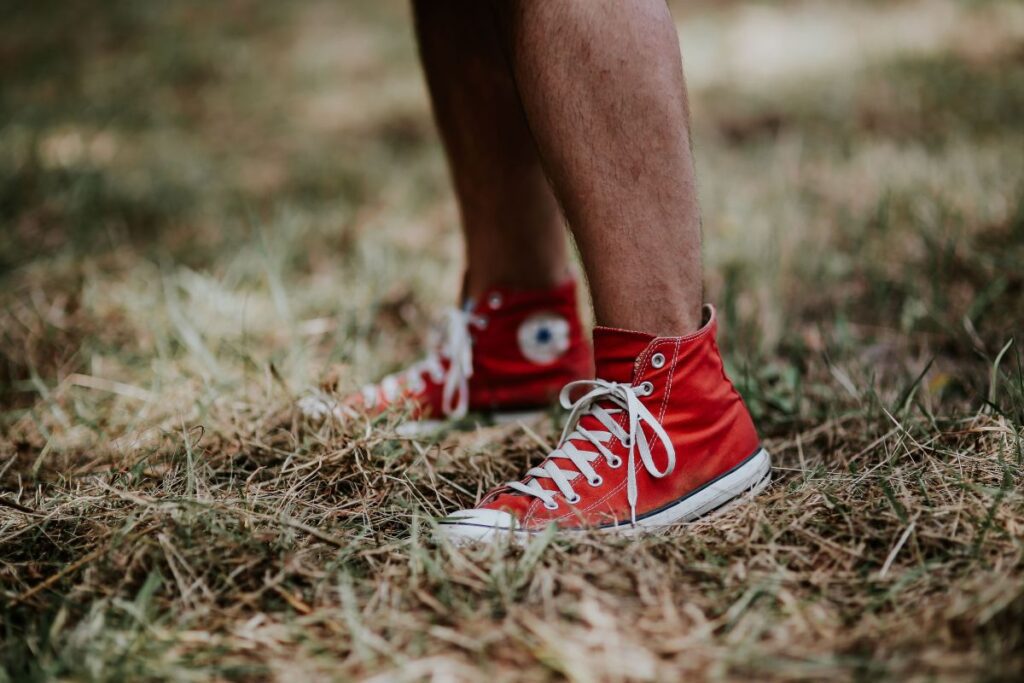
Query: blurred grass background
x,y
207,208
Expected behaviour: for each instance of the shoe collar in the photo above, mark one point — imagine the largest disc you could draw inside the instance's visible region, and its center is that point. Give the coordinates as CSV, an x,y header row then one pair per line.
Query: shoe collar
x,y
497,299
617,352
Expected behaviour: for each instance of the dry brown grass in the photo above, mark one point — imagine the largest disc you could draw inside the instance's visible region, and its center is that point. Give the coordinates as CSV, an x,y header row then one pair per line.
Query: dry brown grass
x,y
208,210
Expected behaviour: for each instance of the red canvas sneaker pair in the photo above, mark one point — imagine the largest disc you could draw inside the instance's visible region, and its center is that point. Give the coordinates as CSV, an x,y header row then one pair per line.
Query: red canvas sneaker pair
x,y
659,436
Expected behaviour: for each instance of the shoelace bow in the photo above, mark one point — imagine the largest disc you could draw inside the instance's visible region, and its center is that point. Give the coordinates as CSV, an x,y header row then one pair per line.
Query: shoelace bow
x,y
626,397
455,345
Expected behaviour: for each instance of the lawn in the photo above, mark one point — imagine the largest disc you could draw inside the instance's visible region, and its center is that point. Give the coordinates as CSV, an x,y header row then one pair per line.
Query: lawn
x,y
208,209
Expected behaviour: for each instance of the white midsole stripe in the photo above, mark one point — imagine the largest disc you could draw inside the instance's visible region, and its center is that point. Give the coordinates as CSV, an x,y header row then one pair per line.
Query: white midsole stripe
x,y
414,428
752,476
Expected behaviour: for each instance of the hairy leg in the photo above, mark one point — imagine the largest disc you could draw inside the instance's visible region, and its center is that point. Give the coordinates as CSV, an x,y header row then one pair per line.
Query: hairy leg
x,y
513,228
601,82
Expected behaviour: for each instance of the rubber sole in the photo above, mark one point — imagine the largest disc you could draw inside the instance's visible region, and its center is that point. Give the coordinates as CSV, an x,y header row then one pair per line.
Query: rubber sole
x,y
320,407
423,428
744,481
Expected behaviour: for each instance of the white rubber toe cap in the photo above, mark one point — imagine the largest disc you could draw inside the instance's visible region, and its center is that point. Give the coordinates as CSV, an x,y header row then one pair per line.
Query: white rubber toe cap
x,y
316,406
477,525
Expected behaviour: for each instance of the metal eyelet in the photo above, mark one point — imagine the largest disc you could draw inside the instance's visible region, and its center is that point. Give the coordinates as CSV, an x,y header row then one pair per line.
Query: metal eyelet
x,y
575,499
615,462
494,301
646,389
553,506
658,360
596,481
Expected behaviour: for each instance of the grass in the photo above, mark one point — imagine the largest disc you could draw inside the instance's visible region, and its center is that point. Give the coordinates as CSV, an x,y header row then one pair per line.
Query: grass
x,y
207,210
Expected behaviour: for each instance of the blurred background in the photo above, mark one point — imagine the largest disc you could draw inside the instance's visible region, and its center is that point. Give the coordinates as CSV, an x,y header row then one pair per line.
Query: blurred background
x,y
206,208
221,186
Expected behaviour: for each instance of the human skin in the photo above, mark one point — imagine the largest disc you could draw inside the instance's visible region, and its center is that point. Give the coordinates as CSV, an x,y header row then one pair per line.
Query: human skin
x,y
513,230
583,101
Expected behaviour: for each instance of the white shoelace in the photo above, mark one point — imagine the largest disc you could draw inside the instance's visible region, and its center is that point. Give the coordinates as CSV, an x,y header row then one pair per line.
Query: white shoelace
x,y
627,398
454,345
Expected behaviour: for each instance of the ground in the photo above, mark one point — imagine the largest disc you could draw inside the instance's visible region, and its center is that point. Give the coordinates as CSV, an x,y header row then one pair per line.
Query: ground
x,y
209,208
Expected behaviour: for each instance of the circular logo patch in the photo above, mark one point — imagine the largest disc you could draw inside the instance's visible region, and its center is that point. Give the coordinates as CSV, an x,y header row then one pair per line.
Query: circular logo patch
x,y
543,338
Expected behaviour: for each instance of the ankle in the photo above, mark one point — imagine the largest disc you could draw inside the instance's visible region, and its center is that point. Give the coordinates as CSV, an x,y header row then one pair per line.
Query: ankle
x,y
659,321
477,284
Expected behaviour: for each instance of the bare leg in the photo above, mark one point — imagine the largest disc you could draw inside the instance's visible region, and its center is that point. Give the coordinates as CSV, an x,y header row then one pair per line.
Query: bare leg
x,y
602,85
513,229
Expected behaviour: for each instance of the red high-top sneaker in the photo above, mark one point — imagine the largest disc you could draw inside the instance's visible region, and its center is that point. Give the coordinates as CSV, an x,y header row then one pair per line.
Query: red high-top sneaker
x,y
661,437
504,356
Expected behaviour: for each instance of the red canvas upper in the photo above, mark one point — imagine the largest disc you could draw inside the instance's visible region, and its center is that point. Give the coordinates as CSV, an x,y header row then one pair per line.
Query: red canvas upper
x,y
697,406
523,347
